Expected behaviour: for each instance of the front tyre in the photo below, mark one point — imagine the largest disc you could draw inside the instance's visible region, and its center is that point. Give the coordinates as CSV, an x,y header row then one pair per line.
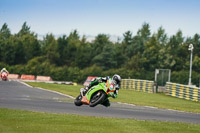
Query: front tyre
x,y
77,101
97,98
4,79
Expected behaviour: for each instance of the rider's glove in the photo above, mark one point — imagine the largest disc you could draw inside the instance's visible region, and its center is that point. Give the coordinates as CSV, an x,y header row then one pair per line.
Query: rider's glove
x,y
114,96
99,80
86,88
117,88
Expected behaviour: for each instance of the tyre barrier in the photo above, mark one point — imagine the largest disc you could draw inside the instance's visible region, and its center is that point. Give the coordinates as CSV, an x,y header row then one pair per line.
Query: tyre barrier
x,y
183,91
138,85
51,82
43,78
13,76
27,77
31,78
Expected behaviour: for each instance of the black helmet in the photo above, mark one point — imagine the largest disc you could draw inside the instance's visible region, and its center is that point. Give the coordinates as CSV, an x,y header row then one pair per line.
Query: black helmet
x,y
116,79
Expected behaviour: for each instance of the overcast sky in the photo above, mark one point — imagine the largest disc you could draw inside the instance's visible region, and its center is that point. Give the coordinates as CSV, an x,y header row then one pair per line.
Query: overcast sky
x,y
91,17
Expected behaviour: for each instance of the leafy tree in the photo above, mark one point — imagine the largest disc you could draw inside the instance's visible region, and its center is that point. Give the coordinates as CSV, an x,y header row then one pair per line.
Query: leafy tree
x,y
196,43
161,36
151,54
100,41
161,40
105,59
127,41
118,56
62,45
5,32
176,51
19,52
70,52
31,46
83,57
196,64
7,52
26,45
144,33
50,49
4,38
24,30
140,39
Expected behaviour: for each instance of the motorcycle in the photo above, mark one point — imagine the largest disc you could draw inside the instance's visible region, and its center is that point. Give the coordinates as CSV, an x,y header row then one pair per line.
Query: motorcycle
x,y
94,96
4,76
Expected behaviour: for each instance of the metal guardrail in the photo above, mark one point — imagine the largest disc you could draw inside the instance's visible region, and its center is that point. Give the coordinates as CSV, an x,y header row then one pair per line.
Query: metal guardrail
x,y
183,91
138,85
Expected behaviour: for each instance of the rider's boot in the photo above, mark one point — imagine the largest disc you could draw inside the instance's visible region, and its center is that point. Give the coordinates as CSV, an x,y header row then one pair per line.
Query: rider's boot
x,y
84,91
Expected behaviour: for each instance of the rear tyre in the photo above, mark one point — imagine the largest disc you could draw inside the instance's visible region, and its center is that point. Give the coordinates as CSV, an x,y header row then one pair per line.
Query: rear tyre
x,y
77,101
97,98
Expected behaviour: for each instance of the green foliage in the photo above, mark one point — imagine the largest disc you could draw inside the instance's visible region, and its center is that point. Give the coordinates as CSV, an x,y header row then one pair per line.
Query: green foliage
x,y
37,66
106,58
59,73
182,77
24,30
18,69
50,49
4,32
73,58
90,71
98,44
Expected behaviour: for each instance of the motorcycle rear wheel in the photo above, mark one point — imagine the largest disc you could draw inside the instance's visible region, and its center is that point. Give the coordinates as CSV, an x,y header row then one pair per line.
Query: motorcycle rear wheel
x,y
77,101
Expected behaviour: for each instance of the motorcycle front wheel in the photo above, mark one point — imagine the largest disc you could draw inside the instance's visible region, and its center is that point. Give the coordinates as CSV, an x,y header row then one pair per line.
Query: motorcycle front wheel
x,y
4,79
97,98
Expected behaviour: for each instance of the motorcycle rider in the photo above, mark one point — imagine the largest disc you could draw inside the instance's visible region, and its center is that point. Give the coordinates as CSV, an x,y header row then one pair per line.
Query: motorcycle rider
x,y
4,70
114,84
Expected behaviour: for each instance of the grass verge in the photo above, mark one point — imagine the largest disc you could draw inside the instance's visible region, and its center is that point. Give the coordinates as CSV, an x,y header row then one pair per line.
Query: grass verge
x,y
25,121
132,97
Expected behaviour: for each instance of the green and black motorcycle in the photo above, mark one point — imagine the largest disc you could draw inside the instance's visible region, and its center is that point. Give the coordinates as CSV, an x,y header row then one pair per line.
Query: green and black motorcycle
x,y
95,95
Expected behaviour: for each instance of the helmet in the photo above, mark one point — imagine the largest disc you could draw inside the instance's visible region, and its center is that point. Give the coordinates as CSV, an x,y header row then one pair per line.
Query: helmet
x,y
4,69
116,79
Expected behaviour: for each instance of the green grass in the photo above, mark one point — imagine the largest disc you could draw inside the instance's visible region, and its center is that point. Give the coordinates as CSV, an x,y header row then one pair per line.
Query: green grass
x,y
132,97
15,121
65,89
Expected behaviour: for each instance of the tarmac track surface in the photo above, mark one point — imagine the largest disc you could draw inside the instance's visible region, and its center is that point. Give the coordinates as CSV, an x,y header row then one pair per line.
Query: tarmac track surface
x,y
15,95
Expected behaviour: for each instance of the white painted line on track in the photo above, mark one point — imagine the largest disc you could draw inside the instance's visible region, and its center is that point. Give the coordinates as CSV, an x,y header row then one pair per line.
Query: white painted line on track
x,y
136,105
151,107
25,84
126,104
176,110
56,92
47,90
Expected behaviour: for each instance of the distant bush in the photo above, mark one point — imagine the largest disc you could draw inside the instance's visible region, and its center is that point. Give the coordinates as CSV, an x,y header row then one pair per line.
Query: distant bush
x,y
182,77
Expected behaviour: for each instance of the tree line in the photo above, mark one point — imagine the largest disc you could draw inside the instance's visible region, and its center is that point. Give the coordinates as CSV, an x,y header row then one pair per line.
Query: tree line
x,y
73,58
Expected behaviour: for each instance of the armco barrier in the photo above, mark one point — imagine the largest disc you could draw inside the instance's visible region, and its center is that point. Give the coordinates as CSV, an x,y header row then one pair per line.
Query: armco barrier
x,y
183,91
27,77
13,76
138,85
43,78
